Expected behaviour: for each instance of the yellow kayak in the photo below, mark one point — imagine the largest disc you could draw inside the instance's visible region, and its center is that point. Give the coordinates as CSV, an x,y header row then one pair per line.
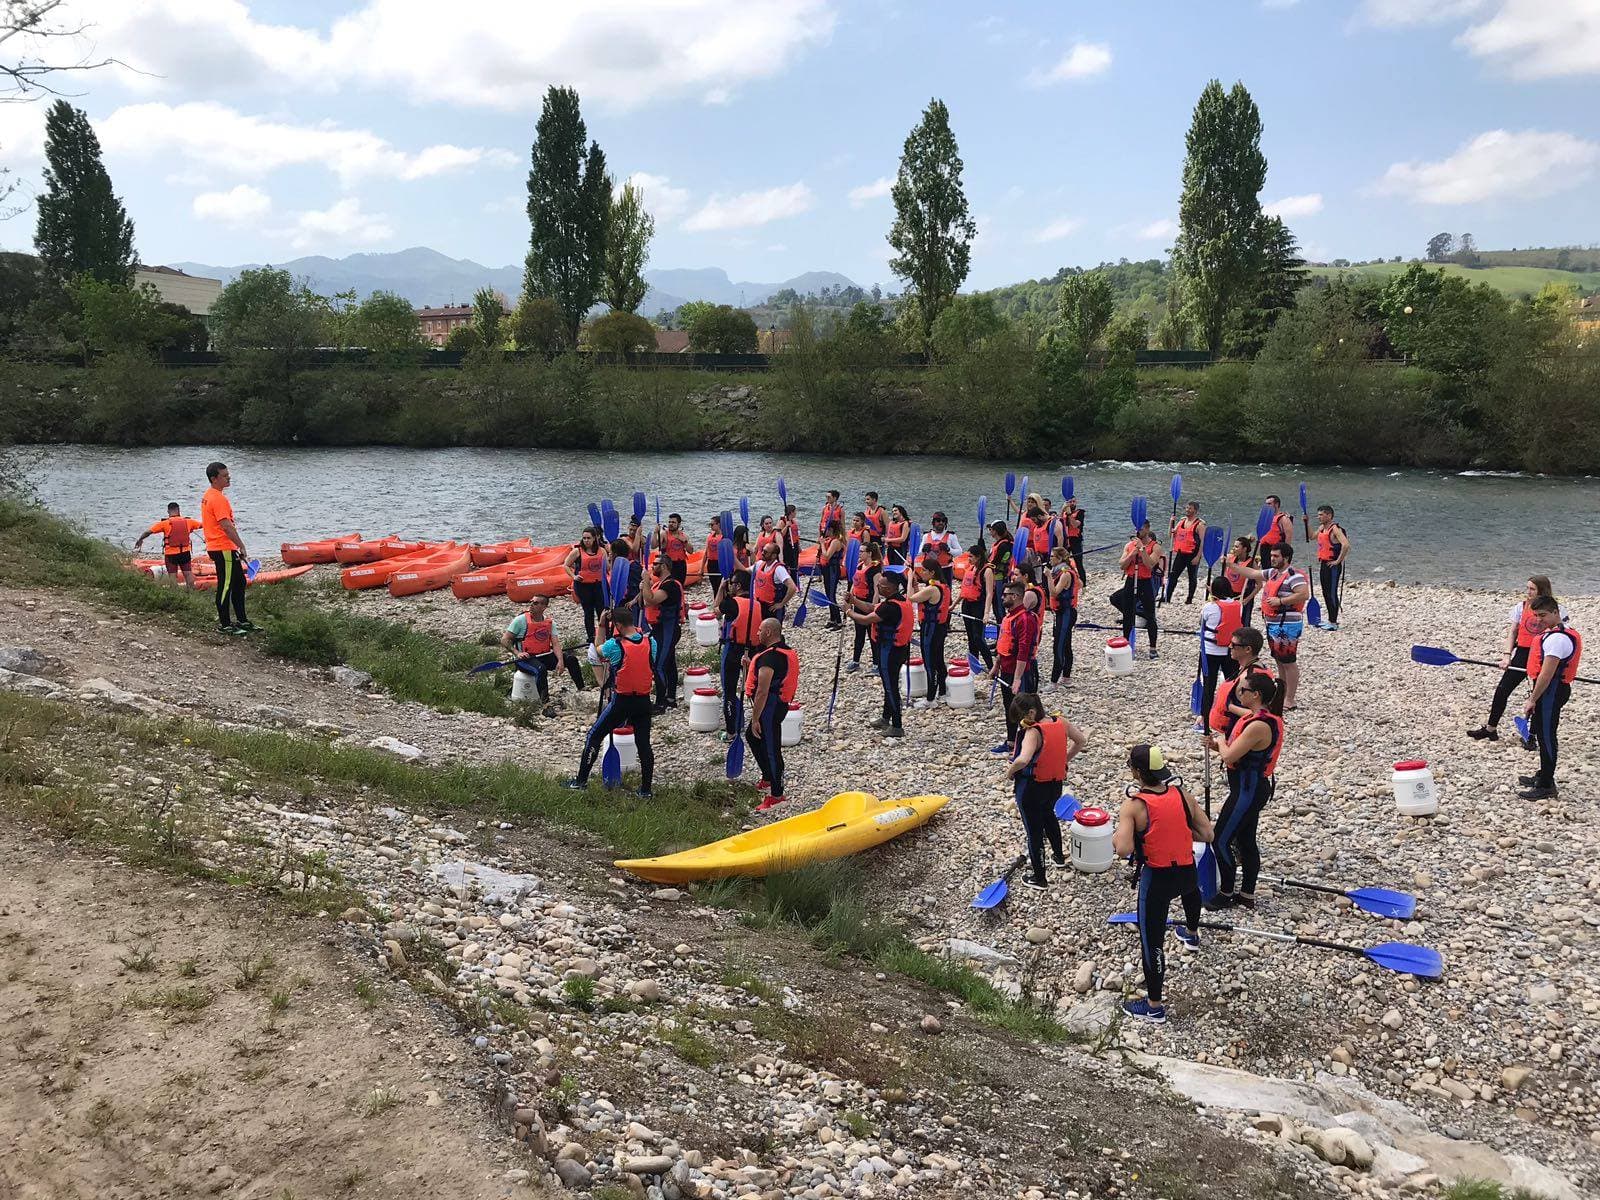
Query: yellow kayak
x,y
848,824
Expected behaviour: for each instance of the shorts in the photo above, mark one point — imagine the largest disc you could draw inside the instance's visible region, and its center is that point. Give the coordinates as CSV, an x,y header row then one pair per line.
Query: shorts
x,y
1283,637
176,562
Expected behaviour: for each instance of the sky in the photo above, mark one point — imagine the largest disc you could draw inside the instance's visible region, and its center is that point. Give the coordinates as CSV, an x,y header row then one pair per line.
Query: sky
x,y
765,133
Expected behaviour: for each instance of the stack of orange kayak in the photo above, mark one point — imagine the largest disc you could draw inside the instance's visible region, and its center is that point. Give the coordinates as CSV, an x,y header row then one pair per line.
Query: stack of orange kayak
x,y
551,580
377,574
489,554
427,572
205,573
300,554
491,581
366,550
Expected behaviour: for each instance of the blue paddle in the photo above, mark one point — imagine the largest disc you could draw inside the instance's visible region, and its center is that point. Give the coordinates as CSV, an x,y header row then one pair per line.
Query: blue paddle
x,y
725,558
658,510
1068,488
727,532
1422,961
1436,656
995,894
1019,548
974,663
594,515
638,506
1022,493
744,511
983,513
819,598
1138,511
1523,731
1313,609
610,523
1011,483
852,560
1067,807
805,596
1381,902
1264,521
783,492
914,543
251,568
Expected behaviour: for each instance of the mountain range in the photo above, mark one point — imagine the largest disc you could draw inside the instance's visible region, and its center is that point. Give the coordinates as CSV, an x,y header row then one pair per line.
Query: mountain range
x,y
427,278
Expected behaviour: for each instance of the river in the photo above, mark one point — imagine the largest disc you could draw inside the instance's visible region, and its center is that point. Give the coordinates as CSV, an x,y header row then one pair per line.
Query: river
x,y
1410,526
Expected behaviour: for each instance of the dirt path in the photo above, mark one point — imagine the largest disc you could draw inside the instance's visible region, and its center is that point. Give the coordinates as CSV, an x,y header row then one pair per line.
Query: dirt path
x,y
139,1062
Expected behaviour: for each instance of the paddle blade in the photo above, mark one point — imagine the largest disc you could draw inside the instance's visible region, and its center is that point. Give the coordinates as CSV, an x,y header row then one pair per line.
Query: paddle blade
x,y
1176,488
594,515
992,896
727,524
1011,482
1140,511
744,511
250,569
725,559
735,764
1019,547
1433,656
1215,544
1127,918
852,559
983,514
610,523
1398,906
783,492
1303,502
1205,869
488,666
638,506
658,510
1067,807
818,598
1022,492
1264,521
1314,611
1068,487
619,581
1422,961
1522,728
1196,695
914,543
974,663
611,766
800,614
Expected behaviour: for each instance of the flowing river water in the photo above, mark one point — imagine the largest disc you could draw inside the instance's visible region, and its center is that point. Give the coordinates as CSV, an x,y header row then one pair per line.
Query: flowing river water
x,y
1470,530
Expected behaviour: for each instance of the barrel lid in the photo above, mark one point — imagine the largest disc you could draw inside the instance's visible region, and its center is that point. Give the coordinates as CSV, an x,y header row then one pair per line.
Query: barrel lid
x,y
916,662
796,706
1116,643
705,691
697,670
1412,764
1092,817
620,730
958,671
705,616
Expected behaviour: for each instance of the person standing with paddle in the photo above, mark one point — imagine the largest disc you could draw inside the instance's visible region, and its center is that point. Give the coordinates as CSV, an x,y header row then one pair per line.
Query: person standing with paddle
x,y
1138,563
1333,547
1553,666
1038,770
1220,618
830,558
1522,632
586,564
1279,531
932,597
1017,669
741,628
627,660
1285,592
664,611
1158,825
1072,527
1188,533
770,683
1065,590
1250,756
975,588
890,624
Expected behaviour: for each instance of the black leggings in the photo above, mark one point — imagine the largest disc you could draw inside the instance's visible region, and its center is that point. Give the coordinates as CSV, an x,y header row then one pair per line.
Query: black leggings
x,y
972,618
1216,664
891,660
1513,677
1332,589
1030,683
667,632
1139,598
861,642
592,598
554,661
830,584
1158,888
622,710
1236,846
1061,665
1183,560
768,748
230,585
1544,726
932,644
732,693
1037,803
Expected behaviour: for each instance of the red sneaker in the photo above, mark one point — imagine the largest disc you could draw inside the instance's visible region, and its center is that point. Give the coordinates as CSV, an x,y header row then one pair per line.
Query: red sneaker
x,y
763,786
770,802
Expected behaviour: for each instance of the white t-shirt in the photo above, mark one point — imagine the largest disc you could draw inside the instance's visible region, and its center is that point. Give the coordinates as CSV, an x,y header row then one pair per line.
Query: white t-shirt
x,y
950,543
1558,645
1210,621
1514,617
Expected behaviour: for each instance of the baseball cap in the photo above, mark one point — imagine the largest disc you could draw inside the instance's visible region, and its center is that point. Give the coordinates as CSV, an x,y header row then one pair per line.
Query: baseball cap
x,y
1150,760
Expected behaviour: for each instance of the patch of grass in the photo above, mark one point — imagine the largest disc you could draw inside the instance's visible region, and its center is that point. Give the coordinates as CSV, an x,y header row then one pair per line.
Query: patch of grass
x,y
141,962
690,1046
278,1002
856,1123
352,1179
564,1094
379,1101
250,968
579,991
738,975
612,1191
367,993
1483,1189
175,1001
188,969
101,1117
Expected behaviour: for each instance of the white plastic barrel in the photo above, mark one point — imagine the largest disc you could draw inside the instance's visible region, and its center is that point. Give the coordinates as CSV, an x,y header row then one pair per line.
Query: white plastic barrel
x,y
696,607
1119,656
159,571
793,722
960,692
705,710
914,680
1091,841
706,629
627,748
1415,793
695,678
524,686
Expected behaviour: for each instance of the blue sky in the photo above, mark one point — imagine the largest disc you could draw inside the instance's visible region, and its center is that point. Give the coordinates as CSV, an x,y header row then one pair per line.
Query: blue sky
x,y
764,131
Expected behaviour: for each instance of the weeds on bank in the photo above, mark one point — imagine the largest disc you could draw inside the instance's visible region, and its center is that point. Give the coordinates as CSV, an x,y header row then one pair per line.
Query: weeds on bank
x,y
1483,1189
379,1101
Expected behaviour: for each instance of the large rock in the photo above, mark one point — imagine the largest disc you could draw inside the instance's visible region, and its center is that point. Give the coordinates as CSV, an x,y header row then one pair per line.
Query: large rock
x,y
108,695
24,660
350,677
571,1172
31,685
1342,1147
394,746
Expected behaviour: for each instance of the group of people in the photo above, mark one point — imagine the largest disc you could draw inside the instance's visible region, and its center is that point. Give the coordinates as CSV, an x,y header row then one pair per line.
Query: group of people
x,y
224,546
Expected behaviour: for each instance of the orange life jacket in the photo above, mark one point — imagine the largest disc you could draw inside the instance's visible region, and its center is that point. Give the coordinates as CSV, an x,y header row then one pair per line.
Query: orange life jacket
x,y
1275,585
590,566
652,612
745,628
859,587
791,677
874,518
1183,535
972,582
830,514
1167,840
763,540
1069,593
676,545
635,675
713,540
1072,522
940,542
1528,628
1327,548
1050,763
1274,535
908,620
1275,724
937,613
1138,567
1039,538
538,637
176,533
1569,669
1219,718
764,583
1009,643
1227,624
899,531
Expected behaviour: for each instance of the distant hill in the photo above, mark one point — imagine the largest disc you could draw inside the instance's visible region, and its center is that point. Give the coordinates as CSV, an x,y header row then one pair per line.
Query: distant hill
x,y
426,277
1513,281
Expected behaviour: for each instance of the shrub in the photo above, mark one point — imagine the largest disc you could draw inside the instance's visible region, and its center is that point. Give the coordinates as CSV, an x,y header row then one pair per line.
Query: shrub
x,y
723,329
621,334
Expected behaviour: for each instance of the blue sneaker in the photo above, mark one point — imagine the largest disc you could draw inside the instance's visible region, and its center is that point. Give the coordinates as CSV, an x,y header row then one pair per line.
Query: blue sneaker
x,y
1187,936
576,785
1002,748
1156,1014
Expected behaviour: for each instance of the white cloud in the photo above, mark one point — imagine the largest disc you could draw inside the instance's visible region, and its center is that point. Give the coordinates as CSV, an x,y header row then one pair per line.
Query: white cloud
x,y
338,227
1164,228
1395,14
516,202
1295,206
1540,39
663,201
1083,61
220,137
749,209
875,190
1496,165
1059,228
21,134
241,205
484,54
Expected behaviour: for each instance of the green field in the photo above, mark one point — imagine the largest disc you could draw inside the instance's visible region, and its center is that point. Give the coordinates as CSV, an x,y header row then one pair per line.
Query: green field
x,y
1513,281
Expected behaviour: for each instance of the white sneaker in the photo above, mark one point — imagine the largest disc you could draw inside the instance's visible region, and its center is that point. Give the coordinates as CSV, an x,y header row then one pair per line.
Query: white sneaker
x,y
923,703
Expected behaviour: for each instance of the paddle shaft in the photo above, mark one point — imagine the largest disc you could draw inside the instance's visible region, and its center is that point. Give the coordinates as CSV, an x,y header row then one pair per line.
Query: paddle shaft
x,y
1274,936
1481,662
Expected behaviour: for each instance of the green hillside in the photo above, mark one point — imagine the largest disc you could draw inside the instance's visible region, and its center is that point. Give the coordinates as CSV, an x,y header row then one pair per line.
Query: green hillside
x,y
1513,281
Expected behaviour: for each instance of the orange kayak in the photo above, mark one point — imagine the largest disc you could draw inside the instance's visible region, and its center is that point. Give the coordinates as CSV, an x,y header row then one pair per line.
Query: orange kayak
x,y
525,587
430,573
376,574
376,549
299,554
489,554
209,580
491,581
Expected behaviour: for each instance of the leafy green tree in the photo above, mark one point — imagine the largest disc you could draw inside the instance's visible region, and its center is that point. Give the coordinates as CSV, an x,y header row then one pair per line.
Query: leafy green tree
x,y
464,338
27,289
338,319
1217,252
1467,251
629,229
114,318
267,309
1086,307
386,323
488,311
1277,283
538,325
690,311
82,228
621,334
932,232
1118,384
965,325
1440,247
723,329
568,201
1443,322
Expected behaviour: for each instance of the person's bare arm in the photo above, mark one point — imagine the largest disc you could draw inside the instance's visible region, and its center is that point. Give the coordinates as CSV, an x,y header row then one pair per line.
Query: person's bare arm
x,y
759,701
1122,837
1031,741
1199,824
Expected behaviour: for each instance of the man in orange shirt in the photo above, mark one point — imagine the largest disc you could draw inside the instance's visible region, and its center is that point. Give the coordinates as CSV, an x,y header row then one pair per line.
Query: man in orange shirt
x,y
226,548
176,532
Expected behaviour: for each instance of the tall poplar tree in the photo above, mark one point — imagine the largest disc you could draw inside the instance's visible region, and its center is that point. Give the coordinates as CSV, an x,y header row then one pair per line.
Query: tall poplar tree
x,y
932,232
83,228
1218,249
629,229
568,199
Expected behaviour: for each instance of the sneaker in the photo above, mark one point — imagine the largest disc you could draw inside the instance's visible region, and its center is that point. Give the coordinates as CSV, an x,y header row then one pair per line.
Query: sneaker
x,y
880,723
1002,748
852,668
1060,860
645,794
576,785
894,731
1188,938
1156,1014
763,786
1331,626
1528,780
1539,793
922,704
1527,744
1152,659
1244,899
1484,732
1042,885
237,631
770,802
1221,902
658,710
247,626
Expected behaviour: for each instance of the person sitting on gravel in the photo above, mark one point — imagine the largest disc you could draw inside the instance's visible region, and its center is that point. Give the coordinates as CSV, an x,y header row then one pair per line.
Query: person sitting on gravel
x,y
627,662
1250,756
1038,771
1159,824
533,639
